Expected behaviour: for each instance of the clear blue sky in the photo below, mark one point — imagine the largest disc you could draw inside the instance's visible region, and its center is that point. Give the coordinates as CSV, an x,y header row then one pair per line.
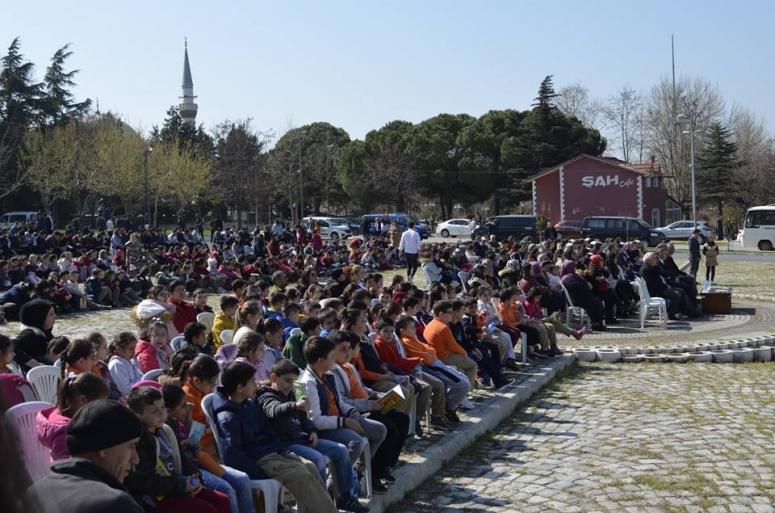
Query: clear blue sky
x,y
360,64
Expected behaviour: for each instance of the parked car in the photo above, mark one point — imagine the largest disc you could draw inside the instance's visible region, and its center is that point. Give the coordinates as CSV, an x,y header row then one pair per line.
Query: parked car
x,y
682,230
401,219
504,227
330,227
454,228
9,219
355,225
568,229
624,228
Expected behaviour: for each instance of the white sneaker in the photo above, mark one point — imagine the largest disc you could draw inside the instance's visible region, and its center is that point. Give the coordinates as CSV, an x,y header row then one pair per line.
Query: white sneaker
x,y
466,404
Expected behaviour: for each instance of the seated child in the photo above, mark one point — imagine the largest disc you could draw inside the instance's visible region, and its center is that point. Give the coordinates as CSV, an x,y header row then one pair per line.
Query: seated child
x,y
250,445
334,417
225,319
294,346
74,392
195,335
232,482
273,334
122,366
288,418
457,384
156,352
161,480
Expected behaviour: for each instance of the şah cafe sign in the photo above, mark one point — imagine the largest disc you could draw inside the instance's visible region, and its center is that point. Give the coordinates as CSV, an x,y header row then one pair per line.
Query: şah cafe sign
x,y
606,181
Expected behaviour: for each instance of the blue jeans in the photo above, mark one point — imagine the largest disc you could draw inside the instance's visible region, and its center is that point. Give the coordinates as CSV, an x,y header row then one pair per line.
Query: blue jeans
x,y
337,453
235,484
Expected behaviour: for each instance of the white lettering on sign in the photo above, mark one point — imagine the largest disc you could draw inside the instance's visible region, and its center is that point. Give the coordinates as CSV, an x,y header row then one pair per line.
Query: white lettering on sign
x,y
606,181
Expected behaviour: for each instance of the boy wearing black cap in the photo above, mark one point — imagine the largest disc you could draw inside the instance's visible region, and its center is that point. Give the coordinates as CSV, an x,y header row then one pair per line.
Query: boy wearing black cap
x,y
102,439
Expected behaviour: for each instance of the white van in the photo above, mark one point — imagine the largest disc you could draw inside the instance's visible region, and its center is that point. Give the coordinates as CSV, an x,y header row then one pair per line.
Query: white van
x,y
9,219
330,227
759,229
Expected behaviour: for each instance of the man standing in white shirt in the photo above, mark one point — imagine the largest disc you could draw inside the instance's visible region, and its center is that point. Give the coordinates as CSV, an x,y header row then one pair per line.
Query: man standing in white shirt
x,y
410,247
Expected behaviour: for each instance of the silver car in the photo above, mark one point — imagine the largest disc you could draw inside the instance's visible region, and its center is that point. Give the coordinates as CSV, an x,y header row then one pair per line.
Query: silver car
x,y
682,230
330,227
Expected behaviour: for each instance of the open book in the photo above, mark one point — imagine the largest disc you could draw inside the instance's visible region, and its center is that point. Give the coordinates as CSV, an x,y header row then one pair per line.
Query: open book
x,y
299,390
391,399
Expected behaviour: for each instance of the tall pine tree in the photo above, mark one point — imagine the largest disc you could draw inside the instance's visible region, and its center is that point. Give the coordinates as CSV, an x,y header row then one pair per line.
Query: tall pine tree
x,y
59,107
715,171
20,107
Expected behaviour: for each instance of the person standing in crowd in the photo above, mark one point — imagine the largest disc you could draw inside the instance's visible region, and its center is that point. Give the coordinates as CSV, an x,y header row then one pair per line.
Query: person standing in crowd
x,y
409,246
711,252
694,252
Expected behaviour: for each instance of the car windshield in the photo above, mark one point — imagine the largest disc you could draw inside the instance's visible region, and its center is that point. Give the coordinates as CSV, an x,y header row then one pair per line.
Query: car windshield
x,y
338,221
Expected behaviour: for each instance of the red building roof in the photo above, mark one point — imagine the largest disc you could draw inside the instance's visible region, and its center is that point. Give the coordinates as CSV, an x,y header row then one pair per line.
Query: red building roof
x,y
648,169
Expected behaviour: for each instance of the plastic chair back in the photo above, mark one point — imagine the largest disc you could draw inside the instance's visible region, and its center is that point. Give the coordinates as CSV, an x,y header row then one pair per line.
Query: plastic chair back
x,y
45,381
206,318
153,375
227,336
177,343
36,457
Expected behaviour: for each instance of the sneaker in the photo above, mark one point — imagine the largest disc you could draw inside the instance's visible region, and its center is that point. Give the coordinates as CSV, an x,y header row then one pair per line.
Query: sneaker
x,y
467,404
377,487
577,334
452,417
351,504
485,382
440,423
389,479
504,384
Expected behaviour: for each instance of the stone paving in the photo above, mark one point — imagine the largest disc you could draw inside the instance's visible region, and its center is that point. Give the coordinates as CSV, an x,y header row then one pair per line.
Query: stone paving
x,y
636,438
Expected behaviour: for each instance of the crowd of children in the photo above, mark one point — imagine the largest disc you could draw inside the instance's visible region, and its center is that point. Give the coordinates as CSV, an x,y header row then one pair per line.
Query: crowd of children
x,y
312,374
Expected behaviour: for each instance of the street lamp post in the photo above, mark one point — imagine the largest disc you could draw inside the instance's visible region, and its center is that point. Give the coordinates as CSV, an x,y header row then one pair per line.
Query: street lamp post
x,y
692,130
147,213
301,177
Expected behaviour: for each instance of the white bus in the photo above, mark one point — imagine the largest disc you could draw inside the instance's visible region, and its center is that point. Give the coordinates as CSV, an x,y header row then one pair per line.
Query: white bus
x,y
759,229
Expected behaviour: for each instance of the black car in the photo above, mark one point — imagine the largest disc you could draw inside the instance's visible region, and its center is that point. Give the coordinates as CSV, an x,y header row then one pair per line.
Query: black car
x,y
624,228
504,227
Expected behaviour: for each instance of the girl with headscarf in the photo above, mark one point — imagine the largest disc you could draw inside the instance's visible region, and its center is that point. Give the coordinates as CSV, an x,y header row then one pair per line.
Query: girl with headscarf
x,y
31,343
581,294
598,278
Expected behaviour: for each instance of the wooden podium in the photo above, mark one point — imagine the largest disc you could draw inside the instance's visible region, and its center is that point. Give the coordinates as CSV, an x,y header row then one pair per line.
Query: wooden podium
x,y
717,300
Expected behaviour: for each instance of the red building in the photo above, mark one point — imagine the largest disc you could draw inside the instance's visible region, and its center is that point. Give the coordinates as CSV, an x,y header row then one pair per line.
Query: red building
x,y
601,186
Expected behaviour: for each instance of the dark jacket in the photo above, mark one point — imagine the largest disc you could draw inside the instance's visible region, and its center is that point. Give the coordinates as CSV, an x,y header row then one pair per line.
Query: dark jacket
x,y
654,281
694,248
291,425
144,481
246,434
77,485
32,344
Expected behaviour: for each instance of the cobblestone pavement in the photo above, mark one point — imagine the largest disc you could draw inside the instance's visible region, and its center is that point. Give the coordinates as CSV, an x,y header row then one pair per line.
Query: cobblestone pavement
x,y
636,438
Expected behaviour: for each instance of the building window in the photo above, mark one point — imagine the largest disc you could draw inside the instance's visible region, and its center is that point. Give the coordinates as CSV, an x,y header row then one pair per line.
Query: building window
x,y
656,218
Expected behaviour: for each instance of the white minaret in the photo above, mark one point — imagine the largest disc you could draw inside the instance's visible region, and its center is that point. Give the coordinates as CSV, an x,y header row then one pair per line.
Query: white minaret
x,y
188,108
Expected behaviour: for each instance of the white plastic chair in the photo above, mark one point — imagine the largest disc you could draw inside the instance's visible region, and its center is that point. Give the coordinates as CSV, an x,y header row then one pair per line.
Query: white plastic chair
x,y
45,381
365,484
227,336
649,305
575,312
271,489
152,375
35,456
206,318
463,277
177,343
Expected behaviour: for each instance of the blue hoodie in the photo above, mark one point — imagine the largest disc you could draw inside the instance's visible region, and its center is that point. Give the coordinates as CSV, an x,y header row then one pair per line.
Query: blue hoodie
x,y
245,433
